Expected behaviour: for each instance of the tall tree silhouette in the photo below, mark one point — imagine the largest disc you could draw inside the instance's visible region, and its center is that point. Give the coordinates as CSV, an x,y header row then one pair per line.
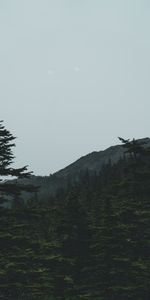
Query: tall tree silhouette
x,y
6,169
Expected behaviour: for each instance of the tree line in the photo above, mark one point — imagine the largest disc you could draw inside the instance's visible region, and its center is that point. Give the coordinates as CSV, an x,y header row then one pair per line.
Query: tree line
x,y
92,241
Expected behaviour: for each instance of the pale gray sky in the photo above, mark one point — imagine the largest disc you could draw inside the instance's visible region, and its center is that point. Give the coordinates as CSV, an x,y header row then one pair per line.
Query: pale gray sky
x,y
74,75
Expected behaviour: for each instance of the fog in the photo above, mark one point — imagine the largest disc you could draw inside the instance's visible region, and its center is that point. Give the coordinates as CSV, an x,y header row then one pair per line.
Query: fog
x,y
74,75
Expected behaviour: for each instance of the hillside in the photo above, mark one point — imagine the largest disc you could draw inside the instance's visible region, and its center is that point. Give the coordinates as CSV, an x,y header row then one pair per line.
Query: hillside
x,y
93,162
51,249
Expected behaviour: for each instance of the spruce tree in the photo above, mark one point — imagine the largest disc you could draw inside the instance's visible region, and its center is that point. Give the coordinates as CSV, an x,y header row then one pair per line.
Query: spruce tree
x,y
13,240
133,223
8,188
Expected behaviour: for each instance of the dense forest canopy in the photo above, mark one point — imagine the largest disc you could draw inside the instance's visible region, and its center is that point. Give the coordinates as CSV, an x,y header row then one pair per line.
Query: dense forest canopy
x,y
90,241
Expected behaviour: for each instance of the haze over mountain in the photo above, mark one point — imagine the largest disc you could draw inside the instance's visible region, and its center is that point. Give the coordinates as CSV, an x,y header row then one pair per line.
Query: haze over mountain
x,y
74,75
91,163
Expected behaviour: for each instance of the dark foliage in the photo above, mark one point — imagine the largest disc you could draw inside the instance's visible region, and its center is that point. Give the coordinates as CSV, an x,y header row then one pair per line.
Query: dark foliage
x,y
8,188
89,242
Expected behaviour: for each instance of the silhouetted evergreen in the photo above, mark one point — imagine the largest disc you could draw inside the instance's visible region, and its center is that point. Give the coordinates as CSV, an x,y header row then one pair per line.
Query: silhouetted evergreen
x,y
8,188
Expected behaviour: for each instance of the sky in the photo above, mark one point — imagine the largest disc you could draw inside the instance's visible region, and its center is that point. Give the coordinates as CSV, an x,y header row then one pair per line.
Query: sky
x,y
74,75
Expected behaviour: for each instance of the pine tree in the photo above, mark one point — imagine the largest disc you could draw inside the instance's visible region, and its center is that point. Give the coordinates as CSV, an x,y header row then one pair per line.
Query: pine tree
x,y
73,236
8,188
133,224
12,232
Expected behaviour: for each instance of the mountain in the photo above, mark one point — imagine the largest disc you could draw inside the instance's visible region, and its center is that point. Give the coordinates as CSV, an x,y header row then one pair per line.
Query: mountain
x,y
51,249
93,163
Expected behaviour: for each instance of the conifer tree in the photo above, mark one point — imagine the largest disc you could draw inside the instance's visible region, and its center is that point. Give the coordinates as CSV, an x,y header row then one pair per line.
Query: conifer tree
x,y
133,222
13,241
6,169
71,280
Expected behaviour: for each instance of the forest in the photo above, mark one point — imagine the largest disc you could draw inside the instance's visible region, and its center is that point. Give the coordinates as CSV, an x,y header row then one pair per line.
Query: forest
x,y
89,242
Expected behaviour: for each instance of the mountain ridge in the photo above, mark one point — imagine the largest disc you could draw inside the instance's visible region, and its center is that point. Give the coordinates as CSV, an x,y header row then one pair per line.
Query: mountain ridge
x,y
92,162
95,159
